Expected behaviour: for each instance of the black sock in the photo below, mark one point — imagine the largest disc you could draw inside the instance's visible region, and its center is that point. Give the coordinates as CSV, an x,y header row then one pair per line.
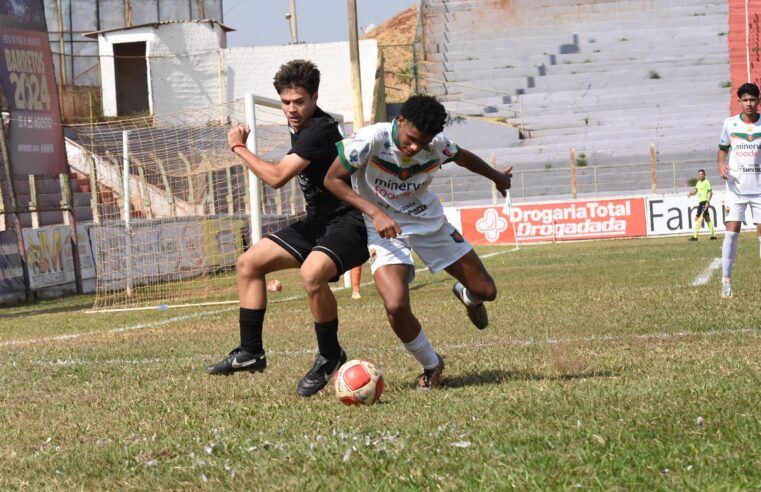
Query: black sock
x,y
251,321
327,339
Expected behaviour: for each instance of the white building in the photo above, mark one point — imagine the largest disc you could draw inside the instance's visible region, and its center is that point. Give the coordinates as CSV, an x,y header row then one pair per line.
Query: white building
x,y
166,67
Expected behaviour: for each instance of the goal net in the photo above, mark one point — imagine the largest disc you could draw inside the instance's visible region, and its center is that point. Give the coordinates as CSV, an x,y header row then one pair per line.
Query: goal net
x,y
173,207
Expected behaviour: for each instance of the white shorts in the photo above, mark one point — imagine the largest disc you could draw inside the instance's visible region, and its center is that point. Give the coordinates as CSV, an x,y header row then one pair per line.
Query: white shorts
x,y
437,249
737,204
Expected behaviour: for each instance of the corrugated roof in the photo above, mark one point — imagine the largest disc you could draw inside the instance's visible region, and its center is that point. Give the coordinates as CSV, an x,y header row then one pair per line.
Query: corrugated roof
x,y
95,34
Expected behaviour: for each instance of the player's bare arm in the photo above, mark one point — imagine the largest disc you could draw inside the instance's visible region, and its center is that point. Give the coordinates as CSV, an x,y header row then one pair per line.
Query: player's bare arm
x,y
336,182
475,164
274,174
722,163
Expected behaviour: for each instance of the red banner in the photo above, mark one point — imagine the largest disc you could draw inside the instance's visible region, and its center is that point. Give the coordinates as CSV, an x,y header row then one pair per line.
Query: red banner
x,y
560,221
28,84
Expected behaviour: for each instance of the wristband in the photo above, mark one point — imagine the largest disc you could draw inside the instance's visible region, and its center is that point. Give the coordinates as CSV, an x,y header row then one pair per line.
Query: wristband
x,y
235,146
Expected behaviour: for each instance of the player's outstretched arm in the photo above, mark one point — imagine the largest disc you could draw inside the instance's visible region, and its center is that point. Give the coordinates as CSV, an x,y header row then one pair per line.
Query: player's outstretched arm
x,y
274,174
475,164
722,163
336,182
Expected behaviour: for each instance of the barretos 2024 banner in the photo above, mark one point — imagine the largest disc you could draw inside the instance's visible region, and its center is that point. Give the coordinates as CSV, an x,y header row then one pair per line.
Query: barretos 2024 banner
x,y
556,221
28,84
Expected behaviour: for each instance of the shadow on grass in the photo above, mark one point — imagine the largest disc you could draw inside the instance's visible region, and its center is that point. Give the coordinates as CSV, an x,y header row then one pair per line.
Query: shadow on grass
x,y
30,310
499,376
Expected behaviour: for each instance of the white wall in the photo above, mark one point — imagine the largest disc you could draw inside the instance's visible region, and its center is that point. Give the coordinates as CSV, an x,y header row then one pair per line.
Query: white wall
x,y
189,67
106,44
252,70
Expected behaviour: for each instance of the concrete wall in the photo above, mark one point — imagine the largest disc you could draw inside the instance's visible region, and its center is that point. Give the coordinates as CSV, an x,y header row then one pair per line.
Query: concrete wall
x,y
189,67
252,70
107,68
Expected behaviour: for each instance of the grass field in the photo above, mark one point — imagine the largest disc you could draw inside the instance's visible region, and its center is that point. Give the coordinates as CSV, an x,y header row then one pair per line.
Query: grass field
x,y
603,368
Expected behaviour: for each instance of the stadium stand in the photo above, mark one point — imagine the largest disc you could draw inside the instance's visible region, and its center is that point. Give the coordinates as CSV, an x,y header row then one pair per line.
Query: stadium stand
x,y
608,78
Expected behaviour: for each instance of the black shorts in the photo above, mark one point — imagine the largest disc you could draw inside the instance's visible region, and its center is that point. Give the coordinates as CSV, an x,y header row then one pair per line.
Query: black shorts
x,y
343,237
703,211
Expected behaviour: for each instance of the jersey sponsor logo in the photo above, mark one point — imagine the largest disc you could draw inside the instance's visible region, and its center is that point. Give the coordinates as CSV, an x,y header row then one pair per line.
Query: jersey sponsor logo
x,y
457,237
414,208
394,186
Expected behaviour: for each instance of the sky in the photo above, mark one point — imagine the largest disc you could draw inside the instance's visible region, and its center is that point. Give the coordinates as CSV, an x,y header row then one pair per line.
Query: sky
x,y
263,22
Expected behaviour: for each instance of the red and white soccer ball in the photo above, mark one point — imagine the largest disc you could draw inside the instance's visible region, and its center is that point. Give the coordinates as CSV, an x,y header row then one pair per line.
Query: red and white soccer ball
x,y
358,382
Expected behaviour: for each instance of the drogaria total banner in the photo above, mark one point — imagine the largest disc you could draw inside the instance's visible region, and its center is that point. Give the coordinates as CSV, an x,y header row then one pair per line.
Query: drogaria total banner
x,y
555,221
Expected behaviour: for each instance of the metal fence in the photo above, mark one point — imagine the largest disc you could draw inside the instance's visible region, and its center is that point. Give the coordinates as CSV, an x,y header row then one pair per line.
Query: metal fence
x,y
589,182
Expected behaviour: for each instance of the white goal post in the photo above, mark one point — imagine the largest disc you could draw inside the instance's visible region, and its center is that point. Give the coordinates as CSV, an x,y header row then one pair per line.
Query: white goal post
x,y
173,208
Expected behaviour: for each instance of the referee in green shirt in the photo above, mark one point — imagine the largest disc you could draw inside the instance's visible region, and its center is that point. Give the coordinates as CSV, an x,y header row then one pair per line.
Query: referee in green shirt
x,y
703,190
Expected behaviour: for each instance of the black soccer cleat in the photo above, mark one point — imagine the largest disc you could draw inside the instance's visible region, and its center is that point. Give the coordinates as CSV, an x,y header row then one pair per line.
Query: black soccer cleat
x,y
239,360
477,314
319,375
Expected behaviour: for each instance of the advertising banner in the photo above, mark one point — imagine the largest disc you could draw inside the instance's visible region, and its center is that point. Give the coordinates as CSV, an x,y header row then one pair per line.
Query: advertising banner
x,y
28,84
49,255
556,221
11,268
675,214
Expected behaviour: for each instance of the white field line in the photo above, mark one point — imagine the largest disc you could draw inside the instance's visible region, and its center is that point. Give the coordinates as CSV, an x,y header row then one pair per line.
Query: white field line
x,y
154,324
461,346
706,274
140,326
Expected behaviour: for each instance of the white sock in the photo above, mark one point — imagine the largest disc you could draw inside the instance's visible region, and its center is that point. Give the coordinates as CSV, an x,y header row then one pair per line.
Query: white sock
x,y
469,299
422,350
759,246
728,253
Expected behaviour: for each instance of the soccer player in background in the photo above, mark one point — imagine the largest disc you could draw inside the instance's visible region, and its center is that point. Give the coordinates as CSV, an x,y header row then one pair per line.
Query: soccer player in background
x,y
391,166
329,241
704,192
740,165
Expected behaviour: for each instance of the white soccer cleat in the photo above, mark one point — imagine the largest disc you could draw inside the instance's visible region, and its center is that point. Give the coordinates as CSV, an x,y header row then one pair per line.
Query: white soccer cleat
x,y
726,290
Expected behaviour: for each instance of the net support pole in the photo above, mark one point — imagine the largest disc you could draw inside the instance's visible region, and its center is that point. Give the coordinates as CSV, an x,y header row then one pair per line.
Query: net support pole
x,y
127,212
573,173
5,156
67,204
653,174
253,182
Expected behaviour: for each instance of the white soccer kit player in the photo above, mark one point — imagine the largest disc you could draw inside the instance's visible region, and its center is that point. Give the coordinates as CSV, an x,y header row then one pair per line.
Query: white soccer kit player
x,y
743,141
398,185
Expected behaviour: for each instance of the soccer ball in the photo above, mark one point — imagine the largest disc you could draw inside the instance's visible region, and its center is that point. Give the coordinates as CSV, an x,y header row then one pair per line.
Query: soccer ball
x,y
358,382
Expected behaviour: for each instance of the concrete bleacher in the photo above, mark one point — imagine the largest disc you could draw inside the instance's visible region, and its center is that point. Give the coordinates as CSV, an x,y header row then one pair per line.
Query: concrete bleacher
x,y
606,78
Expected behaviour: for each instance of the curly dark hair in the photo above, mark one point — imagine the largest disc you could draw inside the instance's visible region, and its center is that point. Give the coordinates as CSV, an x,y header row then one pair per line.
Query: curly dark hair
x,y
747,88
426,113
295,74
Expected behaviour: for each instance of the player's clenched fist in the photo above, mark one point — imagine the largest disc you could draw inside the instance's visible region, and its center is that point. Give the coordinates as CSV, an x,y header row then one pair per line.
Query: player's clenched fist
x,y
503,180
238,134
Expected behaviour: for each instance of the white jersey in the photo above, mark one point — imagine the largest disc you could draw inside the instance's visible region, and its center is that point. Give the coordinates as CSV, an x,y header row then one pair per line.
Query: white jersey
x,y
743,141
397,183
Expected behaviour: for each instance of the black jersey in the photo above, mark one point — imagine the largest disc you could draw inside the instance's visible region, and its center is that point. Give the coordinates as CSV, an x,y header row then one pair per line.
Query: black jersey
x,y
316,142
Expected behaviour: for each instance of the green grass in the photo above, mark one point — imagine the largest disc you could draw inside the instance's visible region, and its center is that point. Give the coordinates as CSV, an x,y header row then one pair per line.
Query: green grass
x,y
602,369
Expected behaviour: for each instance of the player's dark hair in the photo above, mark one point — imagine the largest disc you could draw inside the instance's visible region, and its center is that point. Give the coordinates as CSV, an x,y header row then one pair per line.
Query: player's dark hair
x,y
295,74
747,88
702,171
426,113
